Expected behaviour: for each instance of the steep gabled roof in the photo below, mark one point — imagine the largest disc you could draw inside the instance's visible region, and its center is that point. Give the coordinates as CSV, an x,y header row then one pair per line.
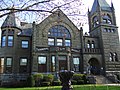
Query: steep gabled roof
x,y
102,4
9,21
57,16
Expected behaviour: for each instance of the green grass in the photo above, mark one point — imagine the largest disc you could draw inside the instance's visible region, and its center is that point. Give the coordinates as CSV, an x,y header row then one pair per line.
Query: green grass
x,y
75,87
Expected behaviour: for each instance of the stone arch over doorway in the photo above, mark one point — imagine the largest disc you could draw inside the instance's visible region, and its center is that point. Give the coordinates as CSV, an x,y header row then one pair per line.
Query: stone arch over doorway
x,y
94,66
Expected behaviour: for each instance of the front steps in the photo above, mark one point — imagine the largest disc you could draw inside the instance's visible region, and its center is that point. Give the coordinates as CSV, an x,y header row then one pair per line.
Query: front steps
x,y
102,80
98,79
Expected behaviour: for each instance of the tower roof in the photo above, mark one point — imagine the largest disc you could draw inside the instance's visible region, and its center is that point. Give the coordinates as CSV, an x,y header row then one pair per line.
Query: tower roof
x,y
9,21
102,4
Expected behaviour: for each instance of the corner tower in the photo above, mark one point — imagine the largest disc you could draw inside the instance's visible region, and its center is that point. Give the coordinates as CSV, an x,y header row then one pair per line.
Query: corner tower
x,y
102,23
9,32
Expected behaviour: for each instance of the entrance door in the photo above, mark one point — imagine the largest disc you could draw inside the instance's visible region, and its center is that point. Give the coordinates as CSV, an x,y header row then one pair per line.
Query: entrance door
x,y
94,66
42,64
42,68
62,63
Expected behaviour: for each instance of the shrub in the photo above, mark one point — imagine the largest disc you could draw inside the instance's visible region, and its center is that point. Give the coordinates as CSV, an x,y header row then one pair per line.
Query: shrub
x,y
56,83
80,78
74,82
84,78
79,82
38,79
38,76
48,77
77,77
30,81
45,83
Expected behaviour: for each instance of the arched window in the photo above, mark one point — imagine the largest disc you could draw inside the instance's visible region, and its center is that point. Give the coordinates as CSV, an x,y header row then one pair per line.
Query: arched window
x,y
110,56
88,44
95,21
93,44
59,36
115,57
107,19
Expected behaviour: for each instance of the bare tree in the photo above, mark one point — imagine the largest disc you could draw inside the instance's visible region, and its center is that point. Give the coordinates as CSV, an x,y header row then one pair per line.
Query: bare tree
x,y
37,10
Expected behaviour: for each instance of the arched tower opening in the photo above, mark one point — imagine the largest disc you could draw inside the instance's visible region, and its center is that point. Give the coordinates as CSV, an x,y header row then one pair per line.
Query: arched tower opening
x,y
94,66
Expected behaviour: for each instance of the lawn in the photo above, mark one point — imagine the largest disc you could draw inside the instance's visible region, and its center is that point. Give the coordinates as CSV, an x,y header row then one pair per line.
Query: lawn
x,y
75,87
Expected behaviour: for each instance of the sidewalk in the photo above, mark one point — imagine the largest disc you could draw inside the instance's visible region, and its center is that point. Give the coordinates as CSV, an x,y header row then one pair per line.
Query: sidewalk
x,y
117,84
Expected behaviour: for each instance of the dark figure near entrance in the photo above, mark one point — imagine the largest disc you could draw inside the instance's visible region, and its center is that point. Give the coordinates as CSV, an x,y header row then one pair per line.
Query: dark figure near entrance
x,y
65,77
95,70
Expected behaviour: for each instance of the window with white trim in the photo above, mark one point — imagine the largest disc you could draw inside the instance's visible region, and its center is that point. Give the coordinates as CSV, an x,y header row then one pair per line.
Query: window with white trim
x,y
59,42
53,63
25,44
67,43
3,41
10,40
76,62
23,61
9,62
51,41
42,60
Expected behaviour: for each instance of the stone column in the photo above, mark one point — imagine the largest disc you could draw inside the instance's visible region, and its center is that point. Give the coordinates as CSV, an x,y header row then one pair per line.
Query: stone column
x,y
68,62
57,62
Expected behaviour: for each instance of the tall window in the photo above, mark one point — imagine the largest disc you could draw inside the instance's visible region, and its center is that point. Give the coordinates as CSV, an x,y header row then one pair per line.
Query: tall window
x,y
115,56
42,60
53,63
3,41
42,64
10,40
1,65
111,57
95,21
67,43
8,65
93,44
23,61
59,36
59,42
76,63
9,62
24,44
107,19
88,44
23,65
51,41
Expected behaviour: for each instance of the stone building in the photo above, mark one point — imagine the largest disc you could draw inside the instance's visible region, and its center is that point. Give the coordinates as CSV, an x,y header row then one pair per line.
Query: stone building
x,y
57,44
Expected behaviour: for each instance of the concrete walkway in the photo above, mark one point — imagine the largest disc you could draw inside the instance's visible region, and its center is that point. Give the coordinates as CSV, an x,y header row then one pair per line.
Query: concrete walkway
x,y
116,84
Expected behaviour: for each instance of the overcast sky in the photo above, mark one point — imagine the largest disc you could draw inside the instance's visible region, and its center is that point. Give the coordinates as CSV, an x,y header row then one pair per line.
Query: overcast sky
x,y
88,4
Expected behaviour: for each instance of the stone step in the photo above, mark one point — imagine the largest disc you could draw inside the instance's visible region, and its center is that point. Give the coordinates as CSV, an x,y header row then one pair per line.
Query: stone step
x,y
102,80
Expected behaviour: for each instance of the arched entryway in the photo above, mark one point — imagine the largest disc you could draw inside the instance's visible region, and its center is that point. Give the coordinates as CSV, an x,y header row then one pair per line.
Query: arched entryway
x,y
94,66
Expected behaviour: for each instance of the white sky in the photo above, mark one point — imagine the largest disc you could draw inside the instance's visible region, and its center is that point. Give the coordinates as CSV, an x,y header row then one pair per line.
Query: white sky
x,y
116,4
89,3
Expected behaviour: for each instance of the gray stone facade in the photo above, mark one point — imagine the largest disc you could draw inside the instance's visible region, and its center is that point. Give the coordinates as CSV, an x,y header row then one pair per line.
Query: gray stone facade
x,y
99,51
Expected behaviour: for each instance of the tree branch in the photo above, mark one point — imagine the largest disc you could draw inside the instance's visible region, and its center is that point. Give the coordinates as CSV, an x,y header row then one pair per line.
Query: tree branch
x,y
20,10
37,3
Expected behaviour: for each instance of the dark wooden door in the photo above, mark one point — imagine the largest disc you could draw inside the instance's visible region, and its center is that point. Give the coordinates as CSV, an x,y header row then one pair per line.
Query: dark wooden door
x,y
42,68
62,64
